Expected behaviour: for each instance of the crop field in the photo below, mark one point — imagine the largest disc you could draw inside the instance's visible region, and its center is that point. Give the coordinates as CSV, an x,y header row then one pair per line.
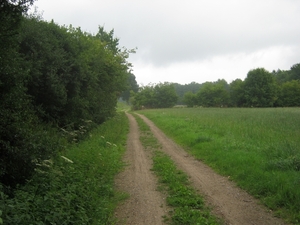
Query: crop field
x,y
259,149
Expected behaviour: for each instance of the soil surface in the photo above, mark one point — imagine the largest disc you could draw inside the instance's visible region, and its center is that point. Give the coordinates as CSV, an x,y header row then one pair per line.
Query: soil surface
x,y
146,205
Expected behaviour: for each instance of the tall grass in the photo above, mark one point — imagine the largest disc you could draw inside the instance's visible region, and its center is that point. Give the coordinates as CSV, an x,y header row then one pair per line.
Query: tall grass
x,y
257,148
77,186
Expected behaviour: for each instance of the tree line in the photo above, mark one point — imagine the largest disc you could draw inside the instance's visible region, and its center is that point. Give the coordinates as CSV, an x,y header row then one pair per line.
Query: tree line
x,y
162,95
56,82
260,88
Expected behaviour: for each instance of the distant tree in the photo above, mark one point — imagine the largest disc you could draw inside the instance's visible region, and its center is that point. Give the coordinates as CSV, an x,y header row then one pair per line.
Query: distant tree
x,y
237,93
132,86
161,95
281,76
165,95
295,72
182,89
290,93
260,88
11,14
213,94
189,99
143,98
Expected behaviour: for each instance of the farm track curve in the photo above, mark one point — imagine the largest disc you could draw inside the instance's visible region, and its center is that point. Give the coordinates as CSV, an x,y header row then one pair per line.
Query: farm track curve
x,y
147,206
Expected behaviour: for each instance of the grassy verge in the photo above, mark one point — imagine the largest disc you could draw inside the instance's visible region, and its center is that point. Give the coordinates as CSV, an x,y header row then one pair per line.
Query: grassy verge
x,y
77,186
257,148
187,206
122,106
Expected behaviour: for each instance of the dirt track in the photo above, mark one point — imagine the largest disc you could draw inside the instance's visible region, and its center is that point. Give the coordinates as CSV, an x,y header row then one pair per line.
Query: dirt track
x,y
147,206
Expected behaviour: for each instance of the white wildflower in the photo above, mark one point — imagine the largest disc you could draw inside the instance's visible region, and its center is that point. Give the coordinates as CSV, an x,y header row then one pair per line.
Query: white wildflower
x,y
115,145
102,137
67,160
64,130
108,143
48,161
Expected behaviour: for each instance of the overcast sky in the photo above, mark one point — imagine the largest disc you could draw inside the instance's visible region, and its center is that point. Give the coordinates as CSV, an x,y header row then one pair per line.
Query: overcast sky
x,y
191,40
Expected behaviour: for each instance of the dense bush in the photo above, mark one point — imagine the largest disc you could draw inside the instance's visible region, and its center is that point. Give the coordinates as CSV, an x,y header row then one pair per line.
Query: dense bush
x,y
55,84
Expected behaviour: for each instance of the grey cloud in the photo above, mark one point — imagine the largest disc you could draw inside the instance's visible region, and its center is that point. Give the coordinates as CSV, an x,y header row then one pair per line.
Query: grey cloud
x,y
167,32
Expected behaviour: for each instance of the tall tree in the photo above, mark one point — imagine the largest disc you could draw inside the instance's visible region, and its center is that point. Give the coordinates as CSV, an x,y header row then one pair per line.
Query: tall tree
x,y
51,75
213,94
237,93
165,95
132,86
182,89
189,99
161,95
295,72
260,88
290,93
22,138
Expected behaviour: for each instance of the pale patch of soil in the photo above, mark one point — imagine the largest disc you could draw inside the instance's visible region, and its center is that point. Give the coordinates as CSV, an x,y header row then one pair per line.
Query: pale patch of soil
x,y
229,202
145,205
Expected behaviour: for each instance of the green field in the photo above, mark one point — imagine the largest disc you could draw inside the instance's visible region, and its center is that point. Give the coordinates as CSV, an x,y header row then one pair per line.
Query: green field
x,y
258,148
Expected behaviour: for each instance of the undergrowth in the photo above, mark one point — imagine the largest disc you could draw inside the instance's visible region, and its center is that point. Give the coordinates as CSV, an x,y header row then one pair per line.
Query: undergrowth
x,y
187,206
76,187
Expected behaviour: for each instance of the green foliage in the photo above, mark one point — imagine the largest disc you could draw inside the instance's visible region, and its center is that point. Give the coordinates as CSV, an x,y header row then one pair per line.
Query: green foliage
x,y
73,75
260,88
295,72
23,140
10,18
189,99
182,89
213,94
165,95
132,86
237,97
257,148
53,79
281,76
290,93
76,187
161,95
